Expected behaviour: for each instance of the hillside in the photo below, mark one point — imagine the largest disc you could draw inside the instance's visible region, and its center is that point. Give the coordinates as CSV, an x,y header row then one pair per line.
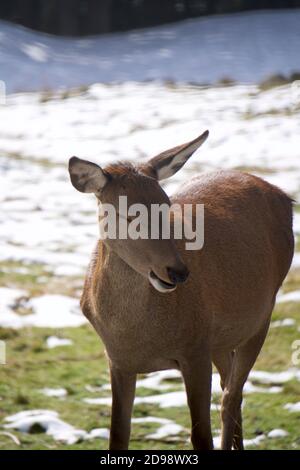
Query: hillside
x,y
246,47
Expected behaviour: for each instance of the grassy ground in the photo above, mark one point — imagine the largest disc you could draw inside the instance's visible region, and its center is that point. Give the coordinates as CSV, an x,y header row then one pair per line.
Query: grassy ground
x,y
31,366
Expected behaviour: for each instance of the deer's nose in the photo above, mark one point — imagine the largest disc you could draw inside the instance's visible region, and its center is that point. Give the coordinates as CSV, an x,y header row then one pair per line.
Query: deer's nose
x,y
177,276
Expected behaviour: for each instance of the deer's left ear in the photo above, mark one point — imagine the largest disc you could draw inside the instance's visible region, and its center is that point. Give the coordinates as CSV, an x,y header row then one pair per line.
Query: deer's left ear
x,y
169,162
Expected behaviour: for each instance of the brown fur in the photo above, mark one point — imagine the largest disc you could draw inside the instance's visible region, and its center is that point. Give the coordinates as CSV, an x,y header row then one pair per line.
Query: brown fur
x,y
121,169
220,314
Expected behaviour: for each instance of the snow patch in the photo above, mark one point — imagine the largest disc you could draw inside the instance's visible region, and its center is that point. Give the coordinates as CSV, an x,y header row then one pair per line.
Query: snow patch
x,y
50,423
150,419
277,433
293,296
165,431
54,342
49,311
276,378
282,323
247,442
178,398
102,433
54,392
296,261
153,380
8,300
56,311
293,407
165,400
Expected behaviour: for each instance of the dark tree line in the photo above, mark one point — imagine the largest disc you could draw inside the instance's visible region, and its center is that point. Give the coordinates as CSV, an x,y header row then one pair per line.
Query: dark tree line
x,y
81,17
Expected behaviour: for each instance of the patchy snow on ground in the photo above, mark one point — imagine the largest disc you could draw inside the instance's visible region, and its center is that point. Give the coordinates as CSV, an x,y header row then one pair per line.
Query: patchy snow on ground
x,y
246,47
54,342
254,442
293,296
152,381
293,407
275,433
282,323
45,220
48,311
166,430
170,379
178,398
155,379
150,419
258,382
164,400
49,422
274,378
9,299
247,442
54,392
296,260
56,311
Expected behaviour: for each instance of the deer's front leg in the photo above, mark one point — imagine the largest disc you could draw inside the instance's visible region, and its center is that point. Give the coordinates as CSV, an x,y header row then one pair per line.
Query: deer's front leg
x,y
197,371
123,390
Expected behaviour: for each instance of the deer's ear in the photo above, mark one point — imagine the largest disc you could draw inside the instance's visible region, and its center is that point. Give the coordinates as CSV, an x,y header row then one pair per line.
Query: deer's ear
x,y
169,162
86,176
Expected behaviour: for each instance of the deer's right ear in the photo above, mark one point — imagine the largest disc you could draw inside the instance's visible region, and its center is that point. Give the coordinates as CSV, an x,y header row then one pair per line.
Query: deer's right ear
x,y
86,176
169,162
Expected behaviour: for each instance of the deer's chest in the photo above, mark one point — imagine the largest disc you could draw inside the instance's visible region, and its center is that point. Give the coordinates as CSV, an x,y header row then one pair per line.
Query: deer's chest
x,y
138,332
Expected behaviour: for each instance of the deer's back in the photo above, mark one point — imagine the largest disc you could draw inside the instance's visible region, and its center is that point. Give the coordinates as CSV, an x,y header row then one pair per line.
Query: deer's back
x,y
248,249
243,214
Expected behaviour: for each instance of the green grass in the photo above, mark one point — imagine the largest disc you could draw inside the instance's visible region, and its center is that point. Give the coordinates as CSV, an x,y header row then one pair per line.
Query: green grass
x,y
36,279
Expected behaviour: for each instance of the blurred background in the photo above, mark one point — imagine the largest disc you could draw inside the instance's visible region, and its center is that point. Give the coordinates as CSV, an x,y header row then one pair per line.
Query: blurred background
x,y
126,79
83,17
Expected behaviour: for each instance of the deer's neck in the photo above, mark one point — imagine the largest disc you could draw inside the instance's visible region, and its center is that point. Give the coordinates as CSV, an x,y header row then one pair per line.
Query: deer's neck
x,y
115,282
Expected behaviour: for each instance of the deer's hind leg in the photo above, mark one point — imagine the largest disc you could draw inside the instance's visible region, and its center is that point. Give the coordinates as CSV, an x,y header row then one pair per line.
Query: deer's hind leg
x,y
243,361
223,361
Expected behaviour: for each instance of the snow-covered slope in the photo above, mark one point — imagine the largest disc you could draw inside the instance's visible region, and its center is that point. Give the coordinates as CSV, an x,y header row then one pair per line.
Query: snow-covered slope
x,y
43,219
246,47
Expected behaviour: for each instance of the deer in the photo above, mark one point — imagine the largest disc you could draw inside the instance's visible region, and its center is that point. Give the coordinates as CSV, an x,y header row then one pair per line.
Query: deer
x,y
158,306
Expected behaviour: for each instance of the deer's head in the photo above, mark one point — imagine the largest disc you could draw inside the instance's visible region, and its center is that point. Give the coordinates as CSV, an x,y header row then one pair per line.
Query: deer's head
x,y
157,258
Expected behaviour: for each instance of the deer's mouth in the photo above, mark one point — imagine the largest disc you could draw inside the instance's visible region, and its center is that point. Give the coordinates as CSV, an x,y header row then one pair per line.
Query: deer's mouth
x,y
159,284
